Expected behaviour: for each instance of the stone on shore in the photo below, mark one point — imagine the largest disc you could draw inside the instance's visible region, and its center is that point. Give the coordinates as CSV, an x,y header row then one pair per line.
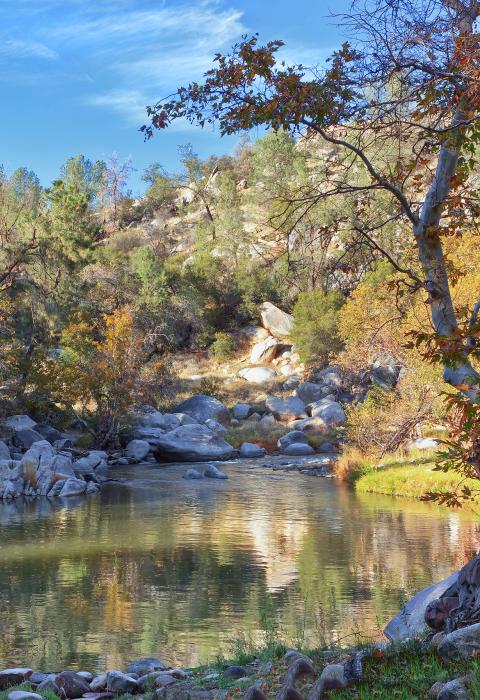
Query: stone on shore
x,y
249,450
286,409
331,412
298,449
146,664
211,472
120,683
14,676
137,450
241,411
71,685
294,436
265,351
461,644
24,695
257,375
202,407
193,443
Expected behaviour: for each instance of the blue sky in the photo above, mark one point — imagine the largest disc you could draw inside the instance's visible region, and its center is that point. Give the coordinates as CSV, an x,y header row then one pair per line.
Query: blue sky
x,y
76,75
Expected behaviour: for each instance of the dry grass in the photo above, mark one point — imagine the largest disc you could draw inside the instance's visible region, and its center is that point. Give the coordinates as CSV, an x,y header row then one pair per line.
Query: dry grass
x,y
254,432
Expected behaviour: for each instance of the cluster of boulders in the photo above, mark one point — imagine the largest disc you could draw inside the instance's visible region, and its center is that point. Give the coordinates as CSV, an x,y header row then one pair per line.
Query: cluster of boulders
x,y
38,460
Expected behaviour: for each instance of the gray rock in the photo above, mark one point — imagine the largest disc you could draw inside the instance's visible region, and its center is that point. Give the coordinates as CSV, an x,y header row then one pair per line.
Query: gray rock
x,y
185,419
460,644
297,449
286,409
331,377
410,621
83,468
145,665
250,450
56,488
385,371
212,472
215,426
192,474
257,375
99,683
73,487
453,690
48,432
71,685
86,675
137,450
294,436
162,421
193,443
202,407
268,422
330,412
4,451
24,695
39,455
333,677
64,443
25,438
309,392
92,488
312,426
265,351
19,423
241,410
276,321
49,685
119,683
235,672
14,676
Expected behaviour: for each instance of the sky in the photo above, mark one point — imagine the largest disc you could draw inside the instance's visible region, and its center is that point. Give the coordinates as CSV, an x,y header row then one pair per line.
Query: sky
x,y
76,75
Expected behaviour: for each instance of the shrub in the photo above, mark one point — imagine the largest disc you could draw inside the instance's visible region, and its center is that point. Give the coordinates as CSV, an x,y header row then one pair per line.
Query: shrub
x,y
224,345
315,325
255,433
352,464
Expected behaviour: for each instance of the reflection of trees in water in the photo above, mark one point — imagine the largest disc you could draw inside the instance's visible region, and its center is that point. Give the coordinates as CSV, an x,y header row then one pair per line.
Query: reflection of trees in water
x,y
151,571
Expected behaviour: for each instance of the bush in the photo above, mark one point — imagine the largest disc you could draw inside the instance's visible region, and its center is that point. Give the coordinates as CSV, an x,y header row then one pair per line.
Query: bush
x,y
352,464
224,345
315,325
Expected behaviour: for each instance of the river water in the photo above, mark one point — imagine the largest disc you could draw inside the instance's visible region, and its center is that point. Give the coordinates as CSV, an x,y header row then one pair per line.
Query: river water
x,y
183,569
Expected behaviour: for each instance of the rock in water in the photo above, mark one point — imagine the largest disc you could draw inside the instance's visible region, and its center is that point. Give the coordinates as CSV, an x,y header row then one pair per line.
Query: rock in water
x,y
202,407
192,474
193,443
213,473
298,449
276,321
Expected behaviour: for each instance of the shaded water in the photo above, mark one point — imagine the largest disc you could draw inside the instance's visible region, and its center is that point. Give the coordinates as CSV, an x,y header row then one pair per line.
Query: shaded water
x,y
175,568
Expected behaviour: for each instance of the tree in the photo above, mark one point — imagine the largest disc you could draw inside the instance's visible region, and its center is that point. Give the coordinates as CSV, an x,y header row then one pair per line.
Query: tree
x,y
413,78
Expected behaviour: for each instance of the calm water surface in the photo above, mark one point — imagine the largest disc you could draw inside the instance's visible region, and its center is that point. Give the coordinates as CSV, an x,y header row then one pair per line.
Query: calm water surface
x,y
176,569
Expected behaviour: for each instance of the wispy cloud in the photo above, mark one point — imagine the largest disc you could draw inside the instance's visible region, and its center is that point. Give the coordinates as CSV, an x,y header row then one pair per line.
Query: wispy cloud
x,y
16,48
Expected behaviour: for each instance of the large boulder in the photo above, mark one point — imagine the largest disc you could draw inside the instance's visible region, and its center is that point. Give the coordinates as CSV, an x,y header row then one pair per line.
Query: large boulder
x,y
4,451
298,449
19,423
193,443
202,407
73,487
265,351
39,455
162,421
330,377
71,685
146,664
286,409
137,450
48,432
331,412
276,321
14,676
311,426
385,371
26,437
410,621
257,375
121,684
211,472
216,427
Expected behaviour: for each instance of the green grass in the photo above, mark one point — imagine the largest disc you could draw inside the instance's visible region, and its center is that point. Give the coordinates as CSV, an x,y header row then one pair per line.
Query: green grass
x,y
411,480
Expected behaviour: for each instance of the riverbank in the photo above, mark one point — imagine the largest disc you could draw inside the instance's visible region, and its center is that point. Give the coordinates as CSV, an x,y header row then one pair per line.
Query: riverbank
x,y
409,671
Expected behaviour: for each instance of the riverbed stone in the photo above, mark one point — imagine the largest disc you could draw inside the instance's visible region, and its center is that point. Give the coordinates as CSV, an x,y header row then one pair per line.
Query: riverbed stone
x,y
201,407
4,451
331,412
26,438
249,450
193,443
99,683
265,351
121,683
310,392
19,422
460,644
137,450
211,472
146,664
287,408
14,676
192,474
410,621
235,672
298,449
48,432
216,427
152,418
71,685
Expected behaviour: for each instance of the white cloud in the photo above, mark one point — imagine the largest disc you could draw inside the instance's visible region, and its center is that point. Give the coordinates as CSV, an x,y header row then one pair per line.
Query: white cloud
x,y
26,49
129,103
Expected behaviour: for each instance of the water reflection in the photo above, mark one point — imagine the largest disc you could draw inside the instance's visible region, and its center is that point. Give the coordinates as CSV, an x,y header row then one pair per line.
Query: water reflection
x,y
174,568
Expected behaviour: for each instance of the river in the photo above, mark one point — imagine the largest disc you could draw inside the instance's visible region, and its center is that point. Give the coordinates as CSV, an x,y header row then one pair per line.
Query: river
x,y
156,565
